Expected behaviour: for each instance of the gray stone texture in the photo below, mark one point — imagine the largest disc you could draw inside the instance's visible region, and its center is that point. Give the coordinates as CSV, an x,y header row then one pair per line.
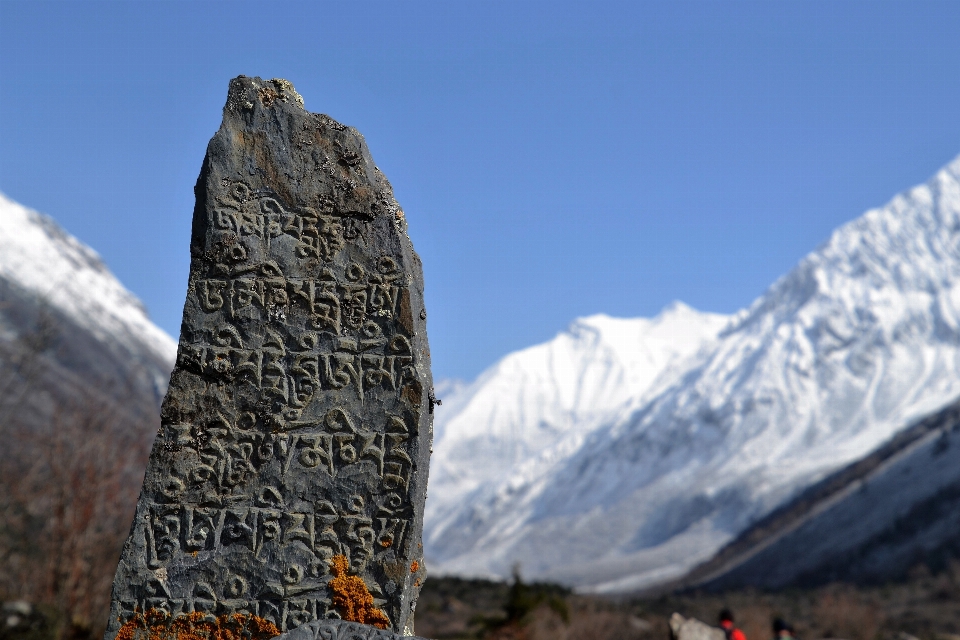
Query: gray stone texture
x,y
298,422
341,630
692,629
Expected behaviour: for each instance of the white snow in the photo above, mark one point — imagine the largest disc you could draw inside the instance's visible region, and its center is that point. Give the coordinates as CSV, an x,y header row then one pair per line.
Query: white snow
x,y
534,407
624,452
39,256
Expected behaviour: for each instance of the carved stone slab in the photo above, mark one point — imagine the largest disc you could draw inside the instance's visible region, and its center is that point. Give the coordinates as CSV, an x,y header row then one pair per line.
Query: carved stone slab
x,y
341,630
287,481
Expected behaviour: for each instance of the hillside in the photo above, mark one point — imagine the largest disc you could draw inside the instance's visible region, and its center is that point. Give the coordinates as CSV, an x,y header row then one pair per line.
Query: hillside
x,y
869,523
82,375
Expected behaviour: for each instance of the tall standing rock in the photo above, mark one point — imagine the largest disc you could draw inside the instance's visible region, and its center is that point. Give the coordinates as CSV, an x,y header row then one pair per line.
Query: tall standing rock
x,y
287,481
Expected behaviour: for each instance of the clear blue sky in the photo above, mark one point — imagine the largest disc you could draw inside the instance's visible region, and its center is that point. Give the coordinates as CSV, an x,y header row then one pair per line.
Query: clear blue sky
x,y
555,159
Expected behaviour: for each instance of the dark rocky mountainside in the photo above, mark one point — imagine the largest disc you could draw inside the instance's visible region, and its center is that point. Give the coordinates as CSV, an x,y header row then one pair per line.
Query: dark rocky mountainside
x,y
871,522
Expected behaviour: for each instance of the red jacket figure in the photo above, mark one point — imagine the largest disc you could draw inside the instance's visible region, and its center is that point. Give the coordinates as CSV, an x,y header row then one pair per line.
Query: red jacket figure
x,y
726,623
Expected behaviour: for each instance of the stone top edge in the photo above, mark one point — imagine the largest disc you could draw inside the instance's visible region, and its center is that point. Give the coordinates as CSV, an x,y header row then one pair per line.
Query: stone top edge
x,y
243,89
246,92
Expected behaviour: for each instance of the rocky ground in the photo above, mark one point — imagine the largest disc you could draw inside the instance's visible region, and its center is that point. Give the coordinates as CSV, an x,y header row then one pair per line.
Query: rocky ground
x,y
926,607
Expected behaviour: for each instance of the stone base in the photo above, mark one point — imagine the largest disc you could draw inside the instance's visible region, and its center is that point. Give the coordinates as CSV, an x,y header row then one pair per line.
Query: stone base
x,y
341,630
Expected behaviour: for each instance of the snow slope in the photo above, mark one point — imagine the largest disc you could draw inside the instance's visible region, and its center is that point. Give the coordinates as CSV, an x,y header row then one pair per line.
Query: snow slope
x,y
40,257
97,341
861,338
535,406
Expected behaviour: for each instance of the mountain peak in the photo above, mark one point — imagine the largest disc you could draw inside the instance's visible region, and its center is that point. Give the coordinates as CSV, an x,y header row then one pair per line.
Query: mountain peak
x,y
536,404
39,256
677,307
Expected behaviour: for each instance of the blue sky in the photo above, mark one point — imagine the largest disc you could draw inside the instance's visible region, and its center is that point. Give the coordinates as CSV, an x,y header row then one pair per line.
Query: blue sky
x,y
555,159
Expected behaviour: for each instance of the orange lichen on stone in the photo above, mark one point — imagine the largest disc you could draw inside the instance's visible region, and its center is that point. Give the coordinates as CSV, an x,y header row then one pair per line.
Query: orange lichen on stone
x,y
414,567
351,597
267,96
157,625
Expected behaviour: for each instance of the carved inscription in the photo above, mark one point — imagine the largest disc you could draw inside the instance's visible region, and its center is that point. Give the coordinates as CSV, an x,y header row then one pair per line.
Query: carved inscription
x,y
340,630
306,541
273,360
296,426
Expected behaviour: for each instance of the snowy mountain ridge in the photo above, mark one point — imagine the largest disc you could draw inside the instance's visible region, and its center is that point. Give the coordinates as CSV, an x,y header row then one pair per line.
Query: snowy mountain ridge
x,y
42,258
538,404
856,342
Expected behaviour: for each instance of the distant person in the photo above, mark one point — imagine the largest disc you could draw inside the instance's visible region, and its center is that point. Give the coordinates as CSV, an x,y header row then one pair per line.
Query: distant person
x,y
782,630
726,623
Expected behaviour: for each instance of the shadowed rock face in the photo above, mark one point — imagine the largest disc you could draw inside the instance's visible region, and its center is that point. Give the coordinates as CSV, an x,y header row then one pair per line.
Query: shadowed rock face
x,y
288,478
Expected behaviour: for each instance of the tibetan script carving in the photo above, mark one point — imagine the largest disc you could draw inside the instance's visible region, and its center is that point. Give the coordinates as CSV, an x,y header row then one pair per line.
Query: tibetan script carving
x,y
338,630
296,430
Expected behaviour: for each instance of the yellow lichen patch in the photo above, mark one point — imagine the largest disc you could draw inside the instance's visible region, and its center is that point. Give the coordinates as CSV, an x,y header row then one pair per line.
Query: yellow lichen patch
x,y
351,597
267,95
414,567
157,625
287,86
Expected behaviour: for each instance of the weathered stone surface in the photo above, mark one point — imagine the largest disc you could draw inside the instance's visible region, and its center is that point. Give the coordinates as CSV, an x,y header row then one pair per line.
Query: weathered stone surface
x,y
341,630
692,629
288,478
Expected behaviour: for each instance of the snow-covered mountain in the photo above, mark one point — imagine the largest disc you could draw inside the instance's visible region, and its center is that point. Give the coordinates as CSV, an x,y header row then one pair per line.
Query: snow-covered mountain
x,y
535,406
614,482
42,258
96,334
551,395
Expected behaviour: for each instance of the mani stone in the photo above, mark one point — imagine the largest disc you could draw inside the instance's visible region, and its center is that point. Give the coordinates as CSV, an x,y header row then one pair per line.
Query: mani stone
x,y
288,479
340,630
